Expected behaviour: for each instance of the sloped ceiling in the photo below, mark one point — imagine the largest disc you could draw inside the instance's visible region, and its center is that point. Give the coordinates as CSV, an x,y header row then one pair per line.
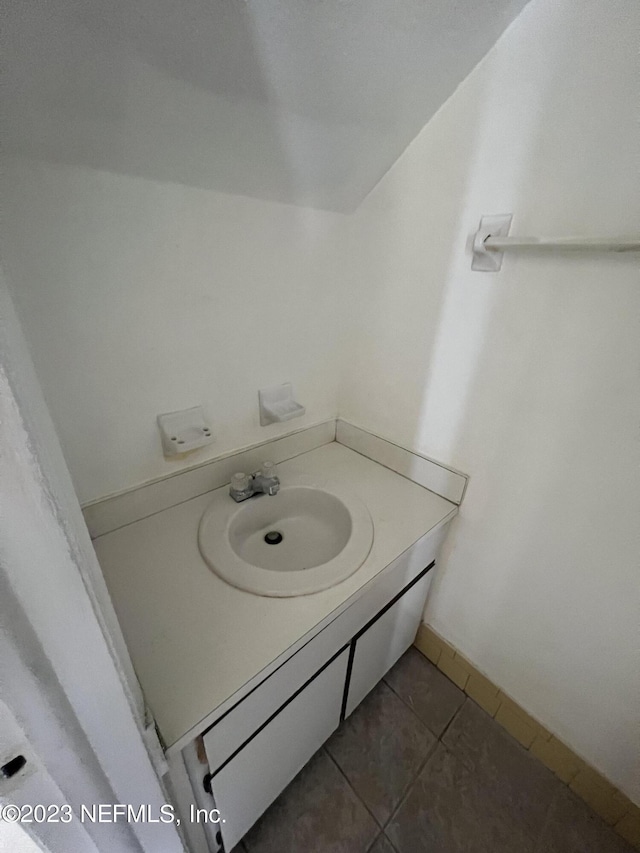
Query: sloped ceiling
x,y
301,101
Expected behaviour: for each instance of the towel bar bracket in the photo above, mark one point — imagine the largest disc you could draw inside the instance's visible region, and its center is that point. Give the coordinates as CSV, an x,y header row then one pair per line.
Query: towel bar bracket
x,y
492,239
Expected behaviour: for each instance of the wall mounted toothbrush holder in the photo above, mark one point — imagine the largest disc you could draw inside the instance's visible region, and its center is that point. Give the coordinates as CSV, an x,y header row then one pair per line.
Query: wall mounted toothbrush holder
x,y
277,404
184,431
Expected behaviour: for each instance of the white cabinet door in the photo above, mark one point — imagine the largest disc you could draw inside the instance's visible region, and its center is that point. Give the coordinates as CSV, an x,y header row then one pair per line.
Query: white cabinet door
x,y
381,644
241,721
245,786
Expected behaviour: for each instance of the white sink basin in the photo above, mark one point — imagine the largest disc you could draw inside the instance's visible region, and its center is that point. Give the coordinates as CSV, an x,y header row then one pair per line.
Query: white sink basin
x,y
316,536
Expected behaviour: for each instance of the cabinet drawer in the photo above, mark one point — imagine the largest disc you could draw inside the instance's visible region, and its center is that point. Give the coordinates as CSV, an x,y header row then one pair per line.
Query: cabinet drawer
x,y
253,778
241,721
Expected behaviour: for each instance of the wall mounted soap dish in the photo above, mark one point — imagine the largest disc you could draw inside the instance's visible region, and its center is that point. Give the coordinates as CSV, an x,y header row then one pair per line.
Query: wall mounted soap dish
x,y
184,431
277,404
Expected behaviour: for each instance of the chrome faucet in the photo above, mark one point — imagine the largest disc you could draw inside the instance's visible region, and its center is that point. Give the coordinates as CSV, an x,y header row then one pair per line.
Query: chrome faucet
x,y
262,482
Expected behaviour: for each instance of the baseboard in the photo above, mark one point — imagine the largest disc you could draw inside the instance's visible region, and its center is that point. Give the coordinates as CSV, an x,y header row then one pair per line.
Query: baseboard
x,y
614,807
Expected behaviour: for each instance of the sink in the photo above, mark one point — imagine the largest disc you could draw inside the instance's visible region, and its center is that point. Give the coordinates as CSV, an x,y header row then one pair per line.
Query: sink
x,y
308,537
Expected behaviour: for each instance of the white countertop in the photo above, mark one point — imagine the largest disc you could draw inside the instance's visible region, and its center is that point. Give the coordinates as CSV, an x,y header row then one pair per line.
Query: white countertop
x,y
194,639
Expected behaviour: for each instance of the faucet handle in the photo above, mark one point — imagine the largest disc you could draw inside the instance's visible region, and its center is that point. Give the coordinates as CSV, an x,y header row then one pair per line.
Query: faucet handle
x,y
240,482
269,470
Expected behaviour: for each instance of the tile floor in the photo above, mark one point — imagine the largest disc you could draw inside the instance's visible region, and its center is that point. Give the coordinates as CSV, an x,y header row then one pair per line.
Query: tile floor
x,y
420,768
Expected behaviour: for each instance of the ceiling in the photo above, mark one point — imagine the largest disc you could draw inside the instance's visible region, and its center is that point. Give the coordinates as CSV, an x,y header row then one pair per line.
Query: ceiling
x,y
301,101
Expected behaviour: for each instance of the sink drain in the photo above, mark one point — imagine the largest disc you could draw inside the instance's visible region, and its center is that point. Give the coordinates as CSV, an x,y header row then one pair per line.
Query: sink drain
x,y
273,537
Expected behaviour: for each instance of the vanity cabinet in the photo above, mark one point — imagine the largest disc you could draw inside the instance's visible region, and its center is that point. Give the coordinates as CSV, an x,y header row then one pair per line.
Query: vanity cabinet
x,y
248,783
257,746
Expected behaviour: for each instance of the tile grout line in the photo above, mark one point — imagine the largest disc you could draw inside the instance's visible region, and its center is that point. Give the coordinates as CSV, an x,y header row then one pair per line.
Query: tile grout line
x,y
384,835
611,805
375,841
430,755
450,723
354,792
421,765
453,716
406,704
405,791
535,840
410,785
430,751
438,740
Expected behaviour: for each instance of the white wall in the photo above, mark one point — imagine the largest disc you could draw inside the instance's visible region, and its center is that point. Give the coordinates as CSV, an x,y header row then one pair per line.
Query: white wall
x,y
141,297
526,379
61,684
